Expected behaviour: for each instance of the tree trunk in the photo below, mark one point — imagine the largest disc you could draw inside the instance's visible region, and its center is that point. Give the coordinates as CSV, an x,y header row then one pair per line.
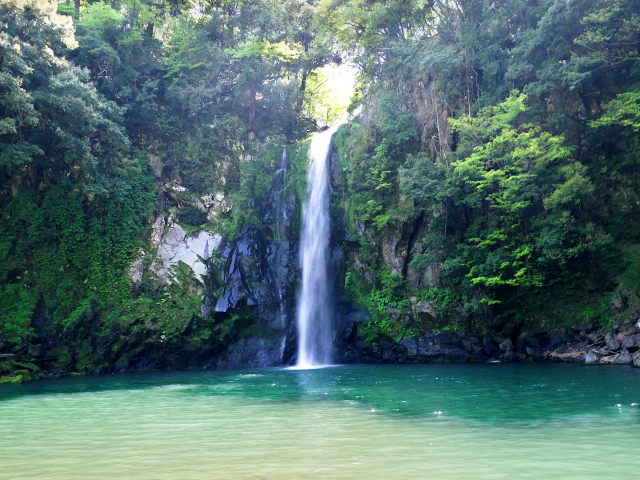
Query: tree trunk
x,y
252,108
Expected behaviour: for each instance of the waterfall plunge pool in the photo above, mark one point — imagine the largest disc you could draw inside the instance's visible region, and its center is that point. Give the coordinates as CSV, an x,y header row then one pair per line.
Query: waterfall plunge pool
x,y
384,421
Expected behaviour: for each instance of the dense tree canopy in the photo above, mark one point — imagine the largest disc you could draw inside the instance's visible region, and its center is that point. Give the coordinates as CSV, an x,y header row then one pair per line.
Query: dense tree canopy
x,y
511,195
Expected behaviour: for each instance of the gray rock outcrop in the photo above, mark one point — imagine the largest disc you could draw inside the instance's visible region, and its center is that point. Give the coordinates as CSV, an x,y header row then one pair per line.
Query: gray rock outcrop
x,y
623,358
176,246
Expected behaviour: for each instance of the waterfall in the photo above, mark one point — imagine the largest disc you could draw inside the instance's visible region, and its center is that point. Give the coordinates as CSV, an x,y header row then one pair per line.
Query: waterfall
x,y
314,306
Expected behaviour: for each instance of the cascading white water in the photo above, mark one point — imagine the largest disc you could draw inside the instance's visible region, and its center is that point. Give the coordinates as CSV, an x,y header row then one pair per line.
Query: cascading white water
x,y
314,308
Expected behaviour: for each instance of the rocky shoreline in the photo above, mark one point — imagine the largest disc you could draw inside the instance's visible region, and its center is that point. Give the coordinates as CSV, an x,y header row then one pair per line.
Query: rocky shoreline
x,y
579,344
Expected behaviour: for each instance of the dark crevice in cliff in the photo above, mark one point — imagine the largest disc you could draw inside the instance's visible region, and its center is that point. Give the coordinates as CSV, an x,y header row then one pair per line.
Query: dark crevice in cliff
x,y
411,242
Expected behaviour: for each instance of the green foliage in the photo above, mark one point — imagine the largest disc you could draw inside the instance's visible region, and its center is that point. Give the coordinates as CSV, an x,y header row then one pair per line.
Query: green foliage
x,y
368,30
386,301
629,280
512,211
507,176
75,203
16,309
610,33
374,154
624,110
192,216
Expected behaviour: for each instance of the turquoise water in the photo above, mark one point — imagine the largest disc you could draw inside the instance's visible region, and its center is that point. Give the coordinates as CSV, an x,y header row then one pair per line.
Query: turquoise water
x,y
389,421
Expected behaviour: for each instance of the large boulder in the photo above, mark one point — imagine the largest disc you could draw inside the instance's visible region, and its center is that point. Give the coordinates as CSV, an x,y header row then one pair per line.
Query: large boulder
x,y
612,342
624,358
506,345
630,343
593,357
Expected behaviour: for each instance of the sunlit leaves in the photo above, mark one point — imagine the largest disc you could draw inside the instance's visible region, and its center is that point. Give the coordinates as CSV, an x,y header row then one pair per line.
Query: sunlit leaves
x,y
520,177
624,110
611,31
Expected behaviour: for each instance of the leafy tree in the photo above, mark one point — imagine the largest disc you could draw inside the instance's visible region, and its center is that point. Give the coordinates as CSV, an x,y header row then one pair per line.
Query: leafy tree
x,y
610,34
517,177
368,30
75,202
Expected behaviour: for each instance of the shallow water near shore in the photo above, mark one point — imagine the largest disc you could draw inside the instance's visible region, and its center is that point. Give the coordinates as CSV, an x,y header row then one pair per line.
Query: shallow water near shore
x,y
385,421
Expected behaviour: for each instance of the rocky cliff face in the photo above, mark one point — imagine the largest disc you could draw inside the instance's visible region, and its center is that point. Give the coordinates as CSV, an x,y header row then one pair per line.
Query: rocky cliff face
x,y
247,282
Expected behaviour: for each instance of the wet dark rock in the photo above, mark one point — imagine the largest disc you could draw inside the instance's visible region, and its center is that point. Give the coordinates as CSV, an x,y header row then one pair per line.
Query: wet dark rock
x,y
533,342
487,346
437,353
408,349
428,337
629,343
504,345
543,341
349,331
521,341
557,340
583,328
467,344
636,359
352,312
251,352
411,346
594,338
386,351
